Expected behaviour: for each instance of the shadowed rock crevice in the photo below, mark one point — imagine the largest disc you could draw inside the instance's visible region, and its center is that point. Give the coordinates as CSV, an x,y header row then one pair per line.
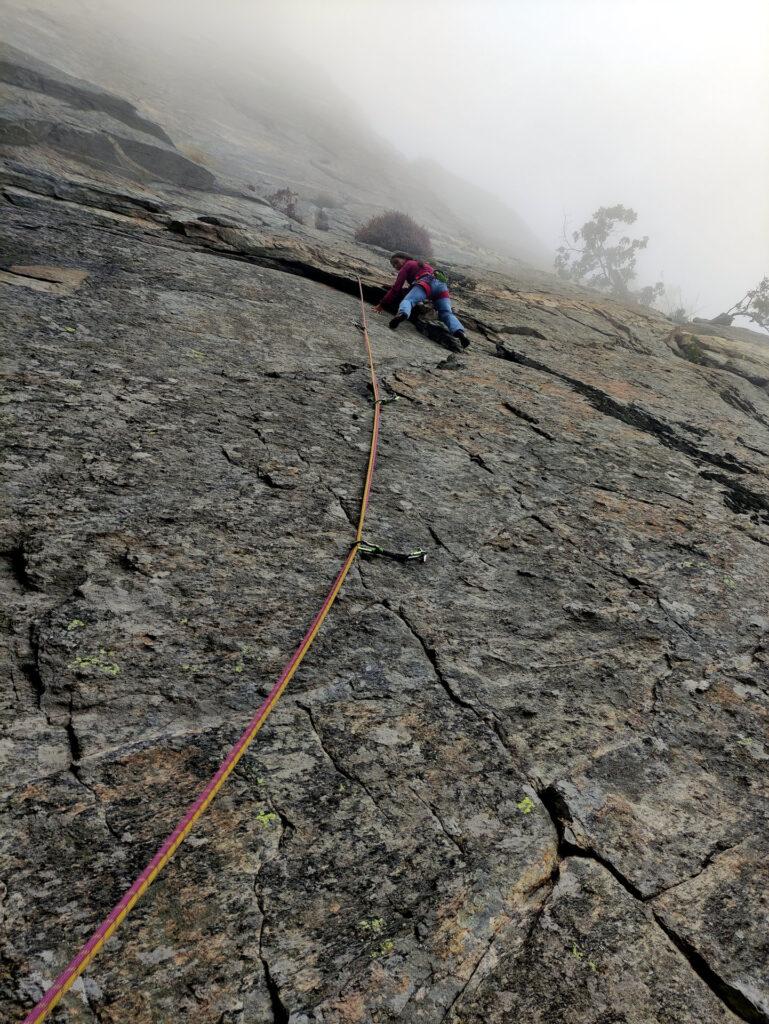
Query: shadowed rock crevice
x,y
557,808
560,815
730,996
31,667
280,1012
17,563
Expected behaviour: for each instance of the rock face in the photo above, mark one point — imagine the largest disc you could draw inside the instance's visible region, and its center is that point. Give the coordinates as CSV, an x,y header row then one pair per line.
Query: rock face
x,y
526,780
47,109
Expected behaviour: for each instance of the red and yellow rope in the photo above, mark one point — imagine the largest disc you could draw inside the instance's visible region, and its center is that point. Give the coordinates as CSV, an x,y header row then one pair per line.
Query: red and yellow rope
x,y
120,911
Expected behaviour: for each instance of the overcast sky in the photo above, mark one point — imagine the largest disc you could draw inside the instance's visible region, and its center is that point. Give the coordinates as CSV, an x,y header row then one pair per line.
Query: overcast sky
x,y
561,106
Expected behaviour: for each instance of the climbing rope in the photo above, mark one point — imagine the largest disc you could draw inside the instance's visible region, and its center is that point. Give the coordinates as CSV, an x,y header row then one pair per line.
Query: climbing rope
x,y
120,911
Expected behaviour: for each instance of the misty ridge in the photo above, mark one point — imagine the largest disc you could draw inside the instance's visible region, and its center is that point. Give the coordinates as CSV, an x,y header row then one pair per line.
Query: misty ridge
x,y
318,101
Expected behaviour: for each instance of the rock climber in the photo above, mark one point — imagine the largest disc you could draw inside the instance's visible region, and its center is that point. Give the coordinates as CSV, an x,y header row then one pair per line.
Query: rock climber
x,y
424,285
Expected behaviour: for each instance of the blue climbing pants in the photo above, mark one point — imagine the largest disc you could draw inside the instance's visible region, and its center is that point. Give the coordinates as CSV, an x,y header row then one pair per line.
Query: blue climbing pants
x,y
442,306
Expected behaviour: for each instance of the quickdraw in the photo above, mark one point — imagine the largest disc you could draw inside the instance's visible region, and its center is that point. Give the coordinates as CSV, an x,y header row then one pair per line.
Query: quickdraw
x,y
417,555
120,911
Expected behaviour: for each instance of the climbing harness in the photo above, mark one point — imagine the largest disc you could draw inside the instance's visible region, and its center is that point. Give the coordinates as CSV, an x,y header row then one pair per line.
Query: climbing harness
x,y
119,912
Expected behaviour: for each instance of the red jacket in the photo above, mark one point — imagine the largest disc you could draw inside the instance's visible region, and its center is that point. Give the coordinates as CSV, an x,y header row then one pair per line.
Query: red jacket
x,y
410,272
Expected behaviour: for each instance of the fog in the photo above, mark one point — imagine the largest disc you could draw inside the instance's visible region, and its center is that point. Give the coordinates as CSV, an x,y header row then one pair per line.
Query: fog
x,y
560,107
555,106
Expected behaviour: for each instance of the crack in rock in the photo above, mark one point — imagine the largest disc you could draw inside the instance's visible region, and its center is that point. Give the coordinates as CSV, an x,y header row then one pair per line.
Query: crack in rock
x,y
730,996
632,415
280,1012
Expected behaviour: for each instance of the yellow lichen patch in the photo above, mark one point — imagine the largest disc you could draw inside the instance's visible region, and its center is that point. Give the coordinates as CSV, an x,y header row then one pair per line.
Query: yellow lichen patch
x,y
371,925
267,818
101,661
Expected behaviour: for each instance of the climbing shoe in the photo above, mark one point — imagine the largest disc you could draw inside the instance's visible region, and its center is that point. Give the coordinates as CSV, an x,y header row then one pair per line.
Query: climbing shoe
x,y
452,343
462,338
397,321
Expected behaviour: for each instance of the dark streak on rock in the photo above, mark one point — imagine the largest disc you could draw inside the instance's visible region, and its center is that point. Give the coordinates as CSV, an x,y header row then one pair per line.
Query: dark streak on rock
x,y
629,414
532,421
17,563
741,499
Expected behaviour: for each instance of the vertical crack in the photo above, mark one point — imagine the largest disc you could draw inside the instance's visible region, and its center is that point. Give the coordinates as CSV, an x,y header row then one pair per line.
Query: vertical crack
x,y
432,656
75,747
338,768
31,669
280,1013
17,562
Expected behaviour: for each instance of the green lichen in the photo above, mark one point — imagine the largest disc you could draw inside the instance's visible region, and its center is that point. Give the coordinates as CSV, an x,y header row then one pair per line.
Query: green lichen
x,y
75,624
579,954
525,806
384,949
267,818
691,349
374,925
101,662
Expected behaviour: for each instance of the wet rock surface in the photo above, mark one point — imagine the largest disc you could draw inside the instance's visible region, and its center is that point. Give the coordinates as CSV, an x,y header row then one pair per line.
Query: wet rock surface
x,y
524,780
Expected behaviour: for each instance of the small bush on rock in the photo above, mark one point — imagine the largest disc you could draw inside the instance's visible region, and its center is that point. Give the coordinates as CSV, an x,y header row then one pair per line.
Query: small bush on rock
x,y
285,201
394,230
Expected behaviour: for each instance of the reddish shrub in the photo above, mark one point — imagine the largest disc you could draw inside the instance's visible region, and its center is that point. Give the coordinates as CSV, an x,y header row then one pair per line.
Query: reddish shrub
x,y
394,230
